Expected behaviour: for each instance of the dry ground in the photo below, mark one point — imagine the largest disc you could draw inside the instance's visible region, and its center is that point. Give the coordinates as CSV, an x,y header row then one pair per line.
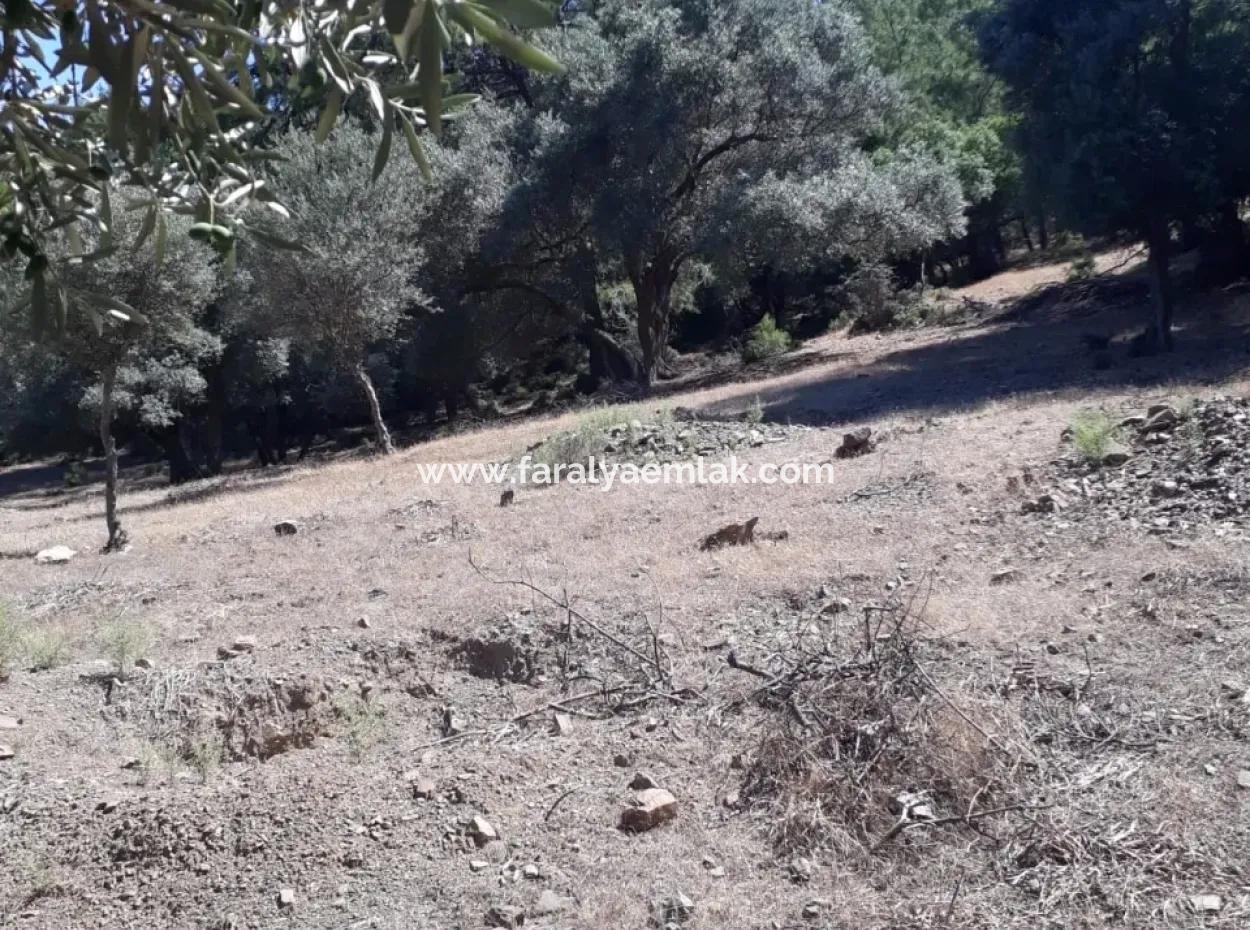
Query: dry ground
x,y
1130,767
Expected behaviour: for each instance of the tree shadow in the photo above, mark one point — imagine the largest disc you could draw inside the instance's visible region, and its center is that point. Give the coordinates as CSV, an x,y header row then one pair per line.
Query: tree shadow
x,y
1063,338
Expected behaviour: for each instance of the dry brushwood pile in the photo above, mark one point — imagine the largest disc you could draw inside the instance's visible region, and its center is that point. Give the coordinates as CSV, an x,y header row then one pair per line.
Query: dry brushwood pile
x,y
895,752
1168,469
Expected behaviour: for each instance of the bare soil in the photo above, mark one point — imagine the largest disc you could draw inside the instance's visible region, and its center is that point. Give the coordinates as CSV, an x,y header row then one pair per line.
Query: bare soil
x,y
1058,698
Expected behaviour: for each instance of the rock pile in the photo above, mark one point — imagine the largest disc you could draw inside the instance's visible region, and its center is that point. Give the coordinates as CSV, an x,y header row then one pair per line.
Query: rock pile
x,y
1180,469
675,440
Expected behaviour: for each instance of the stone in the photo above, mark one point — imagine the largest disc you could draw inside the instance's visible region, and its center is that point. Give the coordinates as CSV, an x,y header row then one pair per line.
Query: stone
x,y
620,760
6,751
507,497
363,623
550,903
482,831
857,442
286,528
1206,903
642,781
1159,419
478,865
532,872
56,555
505,915
650,809
1243,779
675,909
243,645
562,724
286,898
1006,576
801,870
1115,456
8,722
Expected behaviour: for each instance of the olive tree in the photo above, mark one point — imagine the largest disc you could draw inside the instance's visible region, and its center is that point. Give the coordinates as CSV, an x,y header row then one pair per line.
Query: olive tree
x,y
346,289
676,115
138,335
1135,114
172,97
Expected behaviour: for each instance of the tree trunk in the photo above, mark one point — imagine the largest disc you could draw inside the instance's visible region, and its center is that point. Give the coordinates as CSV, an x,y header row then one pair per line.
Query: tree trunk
x,y
1024,232
381,433
1159,240
652,291
117,536
1043,233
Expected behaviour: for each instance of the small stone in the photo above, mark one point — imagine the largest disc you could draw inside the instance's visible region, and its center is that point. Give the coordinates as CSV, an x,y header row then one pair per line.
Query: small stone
x,y
650,808
1053,649
642,781
620,760
286,528
813,909
244,644
1159,418
1243,779
1206,903
801,870
6,751
482,831
675,909
550,903
286,898
478,865
1165,489
856,442
8,722
1115,456
1006,576
56,555
363,623
532,872
562,724
503,915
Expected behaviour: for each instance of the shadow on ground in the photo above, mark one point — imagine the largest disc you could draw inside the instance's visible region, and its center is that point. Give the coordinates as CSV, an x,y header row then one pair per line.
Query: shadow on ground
x,y
1039,344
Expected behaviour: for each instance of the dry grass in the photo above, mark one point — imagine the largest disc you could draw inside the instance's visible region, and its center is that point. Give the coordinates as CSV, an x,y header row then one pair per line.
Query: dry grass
x,y
376,543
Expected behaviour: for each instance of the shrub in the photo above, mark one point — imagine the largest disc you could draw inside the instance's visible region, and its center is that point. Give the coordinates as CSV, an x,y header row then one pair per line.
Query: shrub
x,y
873,302
364,722
203,753
1093,434
1082,269
766,340
124,642
755,413
45,649
10,643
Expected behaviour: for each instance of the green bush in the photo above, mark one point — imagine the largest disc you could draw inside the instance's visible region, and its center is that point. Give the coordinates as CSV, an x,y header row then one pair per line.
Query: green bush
x,y
45,649
1082,269
124,642
766,340
1093,434
10,643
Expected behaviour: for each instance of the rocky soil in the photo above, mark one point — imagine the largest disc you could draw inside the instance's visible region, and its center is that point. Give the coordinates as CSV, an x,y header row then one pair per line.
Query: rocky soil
x,y
1168,470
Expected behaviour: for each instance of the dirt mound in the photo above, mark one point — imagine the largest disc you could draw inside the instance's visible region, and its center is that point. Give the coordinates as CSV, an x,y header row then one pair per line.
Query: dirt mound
x,y
1182,468
222,711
